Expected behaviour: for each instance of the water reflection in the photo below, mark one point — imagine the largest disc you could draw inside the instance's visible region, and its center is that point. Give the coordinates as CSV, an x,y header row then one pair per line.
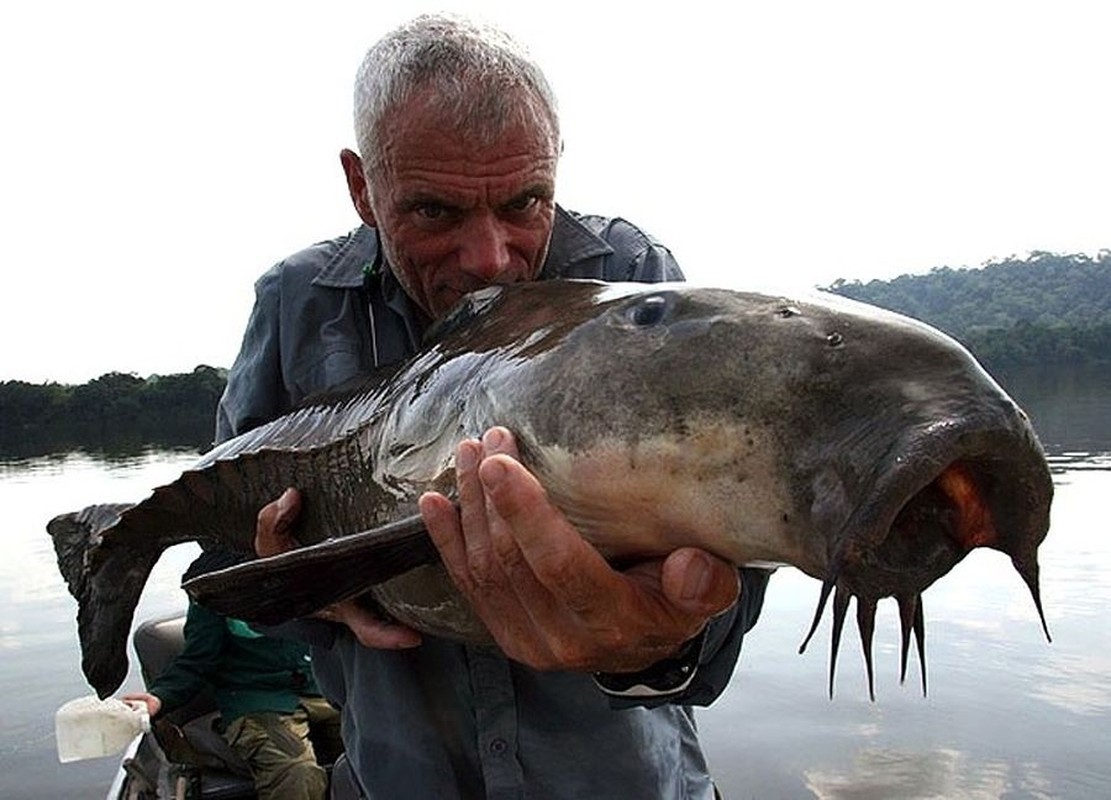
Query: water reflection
x,y
1077,683
881,774
1070,406
39,655
1071,461
121,461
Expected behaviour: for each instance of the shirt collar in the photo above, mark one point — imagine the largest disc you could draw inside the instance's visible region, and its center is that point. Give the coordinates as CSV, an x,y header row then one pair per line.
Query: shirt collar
x,y
354,259
358,254
571,243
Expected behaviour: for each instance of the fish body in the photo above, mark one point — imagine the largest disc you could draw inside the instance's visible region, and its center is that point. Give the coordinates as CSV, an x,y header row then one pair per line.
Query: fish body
x,y
864,448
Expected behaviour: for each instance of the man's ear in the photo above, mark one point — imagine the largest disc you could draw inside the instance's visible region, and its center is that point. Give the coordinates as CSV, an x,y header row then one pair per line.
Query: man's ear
x,y
357,186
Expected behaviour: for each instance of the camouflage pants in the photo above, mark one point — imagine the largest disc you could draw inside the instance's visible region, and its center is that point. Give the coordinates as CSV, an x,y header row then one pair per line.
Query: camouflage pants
x,y
281,749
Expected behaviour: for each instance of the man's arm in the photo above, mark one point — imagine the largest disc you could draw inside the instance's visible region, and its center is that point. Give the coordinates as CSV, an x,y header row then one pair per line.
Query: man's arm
x,y
192,670
254,393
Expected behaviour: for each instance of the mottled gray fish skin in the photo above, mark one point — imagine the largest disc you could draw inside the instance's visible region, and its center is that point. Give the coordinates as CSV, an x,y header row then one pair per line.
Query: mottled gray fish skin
x,y
868,450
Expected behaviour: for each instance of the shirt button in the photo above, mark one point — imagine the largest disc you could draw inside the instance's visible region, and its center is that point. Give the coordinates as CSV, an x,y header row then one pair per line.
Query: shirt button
x,y
497,746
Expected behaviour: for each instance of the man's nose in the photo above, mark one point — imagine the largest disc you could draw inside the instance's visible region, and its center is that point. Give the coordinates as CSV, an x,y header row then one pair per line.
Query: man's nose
x,y
484,250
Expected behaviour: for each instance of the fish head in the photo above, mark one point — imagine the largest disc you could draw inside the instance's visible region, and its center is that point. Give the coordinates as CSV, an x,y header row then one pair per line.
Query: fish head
x,y
866,448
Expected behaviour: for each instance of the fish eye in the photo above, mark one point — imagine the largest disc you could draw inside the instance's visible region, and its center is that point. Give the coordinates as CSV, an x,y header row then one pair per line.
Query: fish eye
x,y
648,311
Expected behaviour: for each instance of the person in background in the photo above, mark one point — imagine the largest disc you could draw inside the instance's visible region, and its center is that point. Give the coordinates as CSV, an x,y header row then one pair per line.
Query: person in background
x,y
590,689
271,712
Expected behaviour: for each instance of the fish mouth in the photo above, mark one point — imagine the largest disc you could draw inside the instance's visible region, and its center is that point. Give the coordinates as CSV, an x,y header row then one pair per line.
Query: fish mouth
x,y
960,488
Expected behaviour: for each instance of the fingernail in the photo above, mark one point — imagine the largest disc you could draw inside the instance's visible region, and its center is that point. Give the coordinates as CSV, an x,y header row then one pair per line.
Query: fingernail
x,y
696,582
493,440
466,457
493,473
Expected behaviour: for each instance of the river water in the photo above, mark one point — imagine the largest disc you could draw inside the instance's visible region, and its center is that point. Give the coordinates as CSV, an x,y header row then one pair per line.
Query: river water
x,y
1008,715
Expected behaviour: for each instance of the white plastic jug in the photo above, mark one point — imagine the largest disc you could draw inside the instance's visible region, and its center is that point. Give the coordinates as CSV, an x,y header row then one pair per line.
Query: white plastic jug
x,y
88,727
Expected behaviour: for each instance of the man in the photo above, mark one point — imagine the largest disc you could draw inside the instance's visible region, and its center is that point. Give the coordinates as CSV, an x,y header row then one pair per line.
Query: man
x,y
270,708
588,692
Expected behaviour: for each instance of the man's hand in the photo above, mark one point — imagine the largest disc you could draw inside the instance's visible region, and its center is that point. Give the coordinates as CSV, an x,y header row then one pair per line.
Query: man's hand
x,y
547,596
152,702
273,536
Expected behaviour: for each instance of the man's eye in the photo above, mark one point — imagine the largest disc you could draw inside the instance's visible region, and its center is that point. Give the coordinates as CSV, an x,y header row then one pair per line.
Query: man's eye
x,y
431,211
523,203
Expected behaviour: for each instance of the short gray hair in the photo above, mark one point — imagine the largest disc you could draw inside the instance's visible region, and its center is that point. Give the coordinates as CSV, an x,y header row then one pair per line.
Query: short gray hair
x,y
482,78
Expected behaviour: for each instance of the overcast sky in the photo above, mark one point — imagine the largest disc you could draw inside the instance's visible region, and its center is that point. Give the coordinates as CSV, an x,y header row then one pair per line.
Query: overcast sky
x,y
158,157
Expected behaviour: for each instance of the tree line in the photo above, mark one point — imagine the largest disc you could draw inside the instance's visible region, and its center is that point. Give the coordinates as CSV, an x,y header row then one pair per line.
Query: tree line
x,y
1046,308
115,413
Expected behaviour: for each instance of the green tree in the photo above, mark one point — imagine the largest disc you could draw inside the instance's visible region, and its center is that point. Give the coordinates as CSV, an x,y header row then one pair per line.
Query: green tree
x,y
1046,307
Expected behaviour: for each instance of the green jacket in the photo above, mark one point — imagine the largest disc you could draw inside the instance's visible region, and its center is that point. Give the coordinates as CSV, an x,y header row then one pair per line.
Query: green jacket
x,y
248,672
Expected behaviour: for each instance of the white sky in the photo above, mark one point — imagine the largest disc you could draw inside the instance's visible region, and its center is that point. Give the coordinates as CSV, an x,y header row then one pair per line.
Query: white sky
x,y
157,157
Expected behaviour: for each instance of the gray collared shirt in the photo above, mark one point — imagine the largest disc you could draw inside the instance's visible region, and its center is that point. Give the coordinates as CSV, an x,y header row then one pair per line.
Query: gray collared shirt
x,y
446,720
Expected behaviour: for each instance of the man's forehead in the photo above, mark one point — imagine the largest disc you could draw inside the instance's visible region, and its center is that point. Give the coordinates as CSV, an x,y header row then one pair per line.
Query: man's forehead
x,y
429,159
427,116
463,187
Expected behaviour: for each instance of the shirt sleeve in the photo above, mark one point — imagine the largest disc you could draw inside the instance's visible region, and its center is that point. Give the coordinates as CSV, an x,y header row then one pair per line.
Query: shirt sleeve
x,y
724,635
189,673
655,264
255,393
637,256
702,670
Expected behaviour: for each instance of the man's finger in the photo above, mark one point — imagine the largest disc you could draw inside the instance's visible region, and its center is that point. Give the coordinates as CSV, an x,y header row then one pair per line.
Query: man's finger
x,y
562,560
441,519
368,628
481,562
275,520
698,582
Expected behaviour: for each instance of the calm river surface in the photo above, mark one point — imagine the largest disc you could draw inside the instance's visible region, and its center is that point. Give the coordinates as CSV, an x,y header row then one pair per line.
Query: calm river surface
x,y
1008,715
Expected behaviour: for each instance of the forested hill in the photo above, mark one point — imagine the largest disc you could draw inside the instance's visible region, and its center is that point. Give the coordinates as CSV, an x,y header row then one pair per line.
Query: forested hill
x,y
115,413
1045,308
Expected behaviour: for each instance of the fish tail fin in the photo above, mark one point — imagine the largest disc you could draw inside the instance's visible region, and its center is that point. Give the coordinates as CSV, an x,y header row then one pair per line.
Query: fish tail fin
x,y
77,535
106,581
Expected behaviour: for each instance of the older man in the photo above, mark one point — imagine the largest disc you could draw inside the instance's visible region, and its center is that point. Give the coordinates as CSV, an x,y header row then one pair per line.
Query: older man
x,y
589,691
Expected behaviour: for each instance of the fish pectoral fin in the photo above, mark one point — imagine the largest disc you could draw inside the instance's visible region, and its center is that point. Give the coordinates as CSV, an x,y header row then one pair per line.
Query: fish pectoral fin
x,y
299,582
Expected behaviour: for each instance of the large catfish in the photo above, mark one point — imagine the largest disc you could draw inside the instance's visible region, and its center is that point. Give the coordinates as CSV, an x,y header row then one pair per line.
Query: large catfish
x,y
866,449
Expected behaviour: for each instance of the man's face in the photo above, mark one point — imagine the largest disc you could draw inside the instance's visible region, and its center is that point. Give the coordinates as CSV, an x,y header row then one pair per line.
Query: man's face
x,y
456,215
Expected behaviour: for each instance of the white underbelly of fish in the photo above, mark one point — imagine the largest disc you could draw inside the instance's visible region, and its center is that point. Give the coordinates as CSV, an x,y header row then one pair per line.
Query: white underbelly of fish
x,y
716,487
